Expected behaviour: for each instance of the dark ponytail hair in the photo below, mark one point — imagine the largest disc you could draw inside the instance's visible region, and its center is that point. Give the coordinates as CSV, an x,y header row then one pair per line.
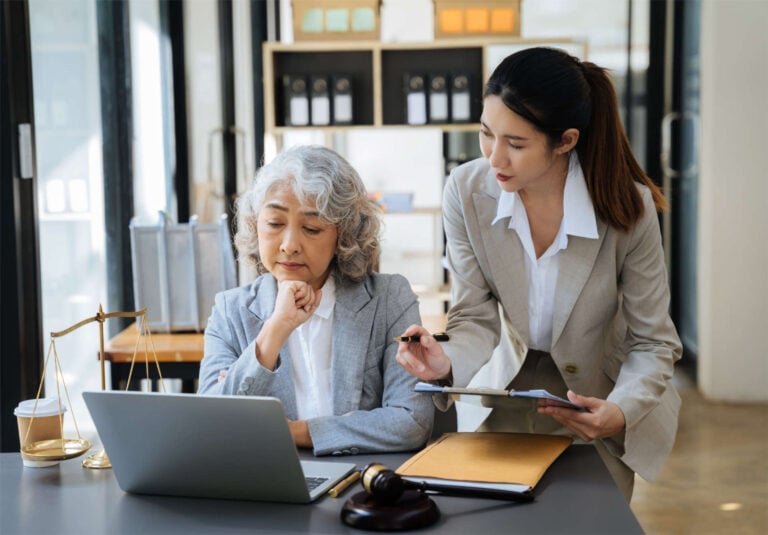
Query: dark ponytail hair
x,y
555,91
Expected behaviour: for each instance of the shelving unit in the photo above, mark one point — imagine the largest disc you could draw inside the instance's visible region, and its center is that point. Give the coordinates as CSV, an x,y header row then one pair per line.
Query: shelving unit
x,y
377,72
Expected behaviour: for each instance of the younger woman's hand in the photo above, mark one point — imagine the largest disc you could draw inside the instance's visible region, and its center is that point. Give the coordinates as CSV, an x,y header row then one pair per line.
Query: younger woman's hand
x,y
603,420
424,359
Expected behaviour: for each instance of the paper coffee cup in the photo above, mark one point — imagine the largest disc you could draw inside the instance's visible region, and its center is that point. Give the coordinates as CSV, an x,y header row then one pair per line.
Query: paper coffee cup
x,y
37,423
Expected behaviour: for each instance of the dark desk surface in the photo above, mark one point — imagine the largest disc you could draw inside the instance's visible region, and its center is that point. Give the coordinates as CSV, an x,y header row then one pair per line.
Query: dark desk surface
x,y
576,495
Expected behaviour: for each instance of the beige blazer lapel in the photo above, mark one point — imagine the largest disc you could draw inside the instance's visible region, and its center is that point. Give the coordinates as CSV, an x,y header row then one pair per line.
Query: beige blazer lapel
x,y
506,260
577,262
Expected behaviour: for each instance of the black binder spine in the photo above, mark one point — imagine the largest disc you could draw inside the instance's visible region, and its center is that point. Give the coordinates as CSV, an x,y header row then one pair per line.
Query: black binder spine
x,y
296,100
438,99
342,99
461,99
415,99
320,102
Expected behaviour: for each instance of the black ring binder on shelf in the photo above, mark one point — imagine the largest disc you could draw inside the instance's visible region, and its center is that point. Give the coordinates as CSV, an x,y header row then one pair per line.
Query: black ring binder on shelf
x,y
461,102
438,99
319,101
342,109
415,99
296,100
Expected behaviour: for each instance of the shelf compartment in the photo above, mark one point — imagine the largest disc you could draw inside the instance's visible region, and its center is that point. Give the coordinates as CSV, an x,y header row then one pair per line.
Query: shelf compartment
x,y
357,64
396,63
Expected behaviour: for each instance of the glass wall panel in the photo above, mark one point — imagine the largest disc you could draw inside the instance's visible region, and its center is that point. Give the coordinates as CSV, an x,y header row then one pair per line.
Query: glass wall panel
x,y
152,183
605,26
65,67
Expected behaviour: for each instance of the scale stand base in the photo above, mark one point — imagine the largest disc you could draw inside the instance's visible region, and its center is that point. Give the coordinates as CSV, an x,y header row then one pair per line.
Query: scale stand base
x,y
97,460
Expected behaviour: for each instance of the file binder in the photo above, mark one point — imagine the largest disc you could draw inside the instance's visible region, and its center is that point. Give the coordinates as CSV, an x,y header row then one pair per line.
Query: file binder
x,y
438,99
320,102
501,461
415,99
460,99
342,96
296,100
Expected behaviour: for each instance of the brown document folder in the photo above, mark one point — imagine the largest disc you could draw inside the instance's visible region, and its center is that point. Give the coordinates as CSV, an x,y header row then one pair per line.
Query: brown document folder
x,y
515,461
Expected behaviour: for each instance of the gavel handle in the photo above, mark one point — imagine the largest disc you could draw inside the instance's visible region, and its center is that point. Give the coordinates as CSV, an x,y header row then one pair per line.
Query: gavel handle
x,y
474,492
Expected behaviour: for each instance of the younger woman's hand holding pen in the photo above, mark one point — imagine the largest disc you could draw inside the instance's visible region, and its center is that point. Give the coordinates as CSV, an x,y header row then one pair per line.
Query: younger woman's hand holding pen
x,y
424,358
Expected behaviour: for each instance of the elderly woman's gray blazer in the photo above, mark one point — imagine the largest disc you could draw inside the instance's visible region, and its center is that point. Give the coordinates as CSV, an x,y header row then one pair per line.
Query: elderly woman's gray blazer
x,y
374,405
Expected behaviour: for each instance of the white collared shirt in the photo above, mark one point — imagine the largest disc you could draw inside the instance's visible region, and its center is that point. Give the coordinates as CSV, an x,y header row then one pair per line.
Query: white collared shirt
x,y
578,220
310,347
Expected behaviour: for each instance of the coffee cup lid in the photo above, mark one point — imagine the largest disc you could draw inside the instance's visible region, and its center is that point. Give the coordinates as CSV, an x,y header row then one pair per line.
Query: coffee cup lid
x,y
45,407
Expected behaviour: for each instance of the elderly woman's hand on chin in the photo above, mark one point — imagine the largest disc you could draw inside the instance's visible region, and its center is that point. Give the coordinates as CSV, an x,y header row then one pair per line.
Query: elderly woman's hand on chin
x,y
296,302
424,359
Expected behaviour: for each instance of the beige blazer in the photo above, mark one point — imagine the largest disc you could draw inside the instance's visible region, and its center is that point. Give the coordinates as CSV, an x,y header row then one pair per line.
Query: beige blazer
x,y
612,335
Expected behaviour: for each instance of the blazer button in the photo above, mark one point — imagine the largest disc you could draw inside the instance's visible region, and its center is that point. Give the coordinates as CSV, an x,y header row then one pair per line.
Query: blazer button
x,y
571,368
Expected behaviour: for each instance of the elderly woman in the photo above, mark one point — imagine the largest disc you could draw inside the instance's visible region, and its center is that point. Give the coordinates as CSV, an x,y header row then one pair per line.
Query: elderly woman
x,y
316,328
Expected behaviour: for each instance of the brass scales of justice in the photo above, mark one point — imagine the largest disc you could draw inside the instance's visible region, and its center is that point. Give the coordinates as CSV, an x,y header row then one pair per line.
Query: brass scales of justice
x,y
60,449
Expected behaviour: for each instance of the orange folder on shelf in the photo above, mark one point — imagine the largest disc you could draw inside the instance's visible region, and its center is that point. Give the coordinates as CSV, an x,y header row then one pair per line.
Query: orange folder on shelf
x,y
503,461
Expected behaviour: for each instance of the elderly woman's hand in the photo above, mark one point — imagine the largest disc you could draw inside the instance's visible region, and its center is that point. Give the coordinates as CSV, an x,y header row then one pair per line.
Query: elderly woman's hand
x,y
296,302
424,359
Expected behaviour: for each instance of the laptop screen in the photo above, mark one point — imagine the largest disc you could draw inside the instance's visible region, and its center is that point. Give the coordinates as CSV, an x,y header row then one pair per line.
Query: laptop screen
x,y
233,447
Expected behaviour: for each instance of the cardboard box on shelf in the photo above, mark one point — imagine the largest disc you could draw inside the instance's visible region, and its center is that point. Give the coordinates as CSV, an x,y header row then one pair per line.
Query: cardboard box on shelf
x,y
322,20
476,18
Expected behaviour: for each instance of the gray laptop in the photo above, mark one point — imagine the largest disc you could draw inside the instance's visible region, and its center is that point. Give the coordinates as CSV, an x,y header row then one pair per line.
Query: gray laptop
x,y
234,447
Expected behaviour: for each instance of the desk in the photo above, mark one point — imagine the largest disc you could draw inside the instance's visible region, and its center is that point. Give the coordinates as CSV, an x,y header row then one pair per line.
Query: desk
x,y
179,356
576,495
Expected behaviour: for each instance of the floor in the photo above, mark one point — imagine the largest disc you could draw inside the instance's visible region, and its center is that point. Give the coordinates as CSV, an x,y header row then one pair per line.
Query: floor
x,y
716,478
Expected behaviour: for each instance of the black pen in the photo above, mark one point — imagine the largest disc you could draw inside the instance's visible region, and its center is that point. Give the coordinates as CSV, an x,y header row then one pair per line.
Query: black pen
x,y
440,337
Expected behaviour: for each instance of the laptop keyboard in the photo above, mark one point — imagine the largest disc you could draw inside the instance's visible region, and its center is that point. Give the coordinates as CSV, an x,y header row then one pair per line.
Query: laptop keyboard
x,y
314,482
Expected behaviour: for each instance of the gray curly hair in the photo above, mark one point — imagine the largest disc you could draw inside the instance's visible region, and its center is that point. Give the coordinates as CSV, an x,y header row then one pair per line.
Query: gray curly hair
x,y
316,173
